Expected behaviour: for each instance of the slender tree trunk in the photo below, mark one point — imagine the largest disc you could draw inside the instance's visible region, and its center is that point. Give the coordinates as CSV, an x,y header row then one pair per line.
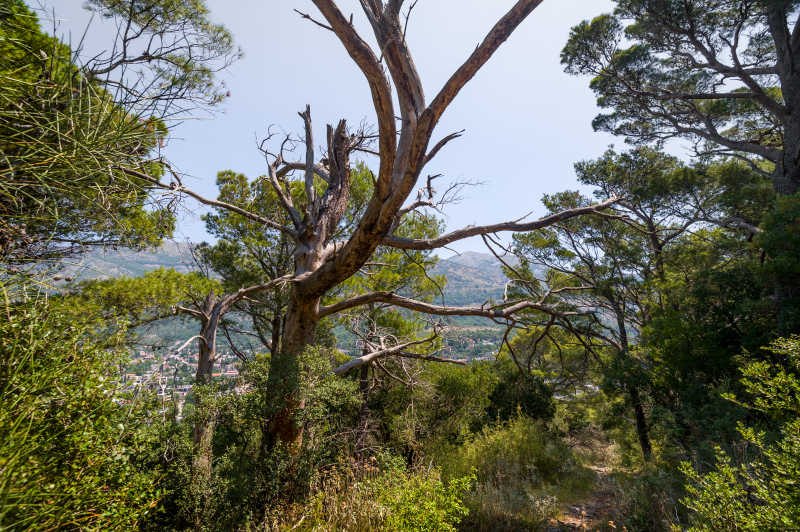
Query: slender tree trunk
x,y
204,424
363,413
641,423
276,334
203,433
633,390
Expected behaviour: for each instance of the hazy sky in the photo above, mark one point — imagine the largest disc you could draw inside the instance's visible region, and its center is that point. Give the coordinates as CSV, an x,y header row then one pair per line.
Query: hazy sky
x,y
526,121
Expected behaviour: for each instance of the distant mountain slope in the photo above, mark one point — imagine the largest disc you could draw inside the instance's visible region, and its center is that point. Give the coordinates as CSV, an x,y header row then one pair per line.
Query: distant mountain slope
x,y
104,264
472,278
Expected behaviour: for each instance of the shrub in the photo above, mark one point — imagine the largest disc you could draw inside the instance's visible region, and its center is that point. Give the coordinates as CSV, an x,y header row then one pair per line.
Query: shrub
x,y
364,497
648,499
761,494
521,469
422,502
70,455
252,480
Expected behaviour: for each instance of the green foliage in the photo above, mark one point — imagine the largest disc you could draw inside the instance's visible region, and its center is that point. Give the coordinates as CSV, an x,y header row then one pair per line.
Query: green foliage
x,y
254,481
246,253
422,504
521,449
330,402
73,446
522,470
516,392
70,134
152,296
717,302
759,493
648,499
63,137
386,497
643,62
780,241
658,304
191,49
448,404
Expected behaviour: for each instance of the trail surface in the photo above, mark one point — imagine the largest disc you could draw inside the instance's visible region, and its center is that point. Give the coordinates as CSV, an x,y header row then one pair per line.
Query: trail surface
x,y
592,512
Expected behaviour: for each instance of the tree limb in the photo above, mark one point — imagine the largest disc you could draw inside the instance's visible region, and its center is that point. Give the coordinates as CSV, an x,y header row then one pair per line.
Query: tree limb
x,y
365,58
434,243
366,359
503,311
178,188
497,36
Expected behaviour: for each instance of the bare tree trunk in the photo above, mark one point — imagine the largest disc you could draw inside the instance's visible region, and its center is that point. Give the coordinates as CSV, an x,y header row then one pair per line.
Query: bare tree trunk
x,y
641,423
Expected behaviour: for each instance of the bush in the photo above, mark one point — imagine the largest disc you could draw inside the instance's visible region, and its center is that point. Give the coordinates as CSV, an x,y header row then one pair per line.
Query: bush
x,y
70,454
761,494
522,469
375,496
252,480
648,499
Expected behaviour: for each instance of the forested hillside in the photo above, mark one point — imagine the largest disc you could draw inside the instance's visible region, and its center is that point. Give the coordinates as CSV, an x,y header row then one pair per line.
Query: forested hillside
x,y
471,278
630,360
468,279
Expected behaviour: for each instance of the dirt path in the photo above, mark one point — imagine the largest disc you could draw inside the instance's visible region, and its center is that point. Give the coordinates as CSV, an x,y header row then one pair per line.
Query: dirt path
x,y
592,512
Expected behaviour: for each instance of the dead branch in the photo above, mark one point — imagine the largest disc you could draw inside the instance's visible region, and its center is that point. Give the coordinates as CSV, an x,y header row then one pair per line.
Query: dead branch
x,y
502,311
177,188
449,238
368,358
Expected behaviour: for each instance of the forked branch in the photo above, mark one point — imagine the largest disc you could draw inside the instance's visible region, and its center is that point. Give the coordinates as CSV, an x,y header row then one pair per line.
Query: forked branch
x,y
370,357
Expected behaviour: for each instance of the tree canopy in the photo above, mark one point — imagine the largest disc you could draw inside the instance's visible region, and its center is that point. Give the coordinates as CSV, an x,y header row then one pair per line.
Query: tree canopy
x,y
722,74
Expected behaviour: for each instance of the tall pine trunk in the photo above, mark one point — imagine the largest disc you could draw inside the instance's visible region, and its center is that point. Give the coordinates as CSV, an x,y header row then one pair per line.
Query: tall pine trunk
x,y
786,176
787,293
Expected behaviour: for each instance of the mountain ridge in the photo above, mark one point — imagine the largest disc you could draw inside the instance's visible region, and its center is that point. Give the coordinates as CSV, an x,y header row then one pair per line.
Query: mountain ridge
x,y
472,277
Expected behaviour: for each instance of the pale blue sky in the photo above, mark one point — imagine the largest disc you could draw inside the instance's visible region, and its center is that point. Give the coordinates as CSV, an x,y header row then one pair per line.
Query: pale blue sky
x,y
526,121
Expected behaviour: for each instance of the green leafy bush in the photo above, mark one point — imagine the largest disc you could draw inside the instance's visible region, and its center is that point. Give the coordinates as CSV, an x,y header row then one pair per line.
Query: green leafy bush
x,y
72,447
383,495
762,493
422,502
522,471
254,481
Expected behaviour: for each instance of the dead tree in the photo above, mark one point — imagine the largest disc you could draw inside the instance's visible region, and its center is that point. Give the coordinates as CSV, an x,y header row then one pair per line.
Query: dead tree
x,y
323,259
